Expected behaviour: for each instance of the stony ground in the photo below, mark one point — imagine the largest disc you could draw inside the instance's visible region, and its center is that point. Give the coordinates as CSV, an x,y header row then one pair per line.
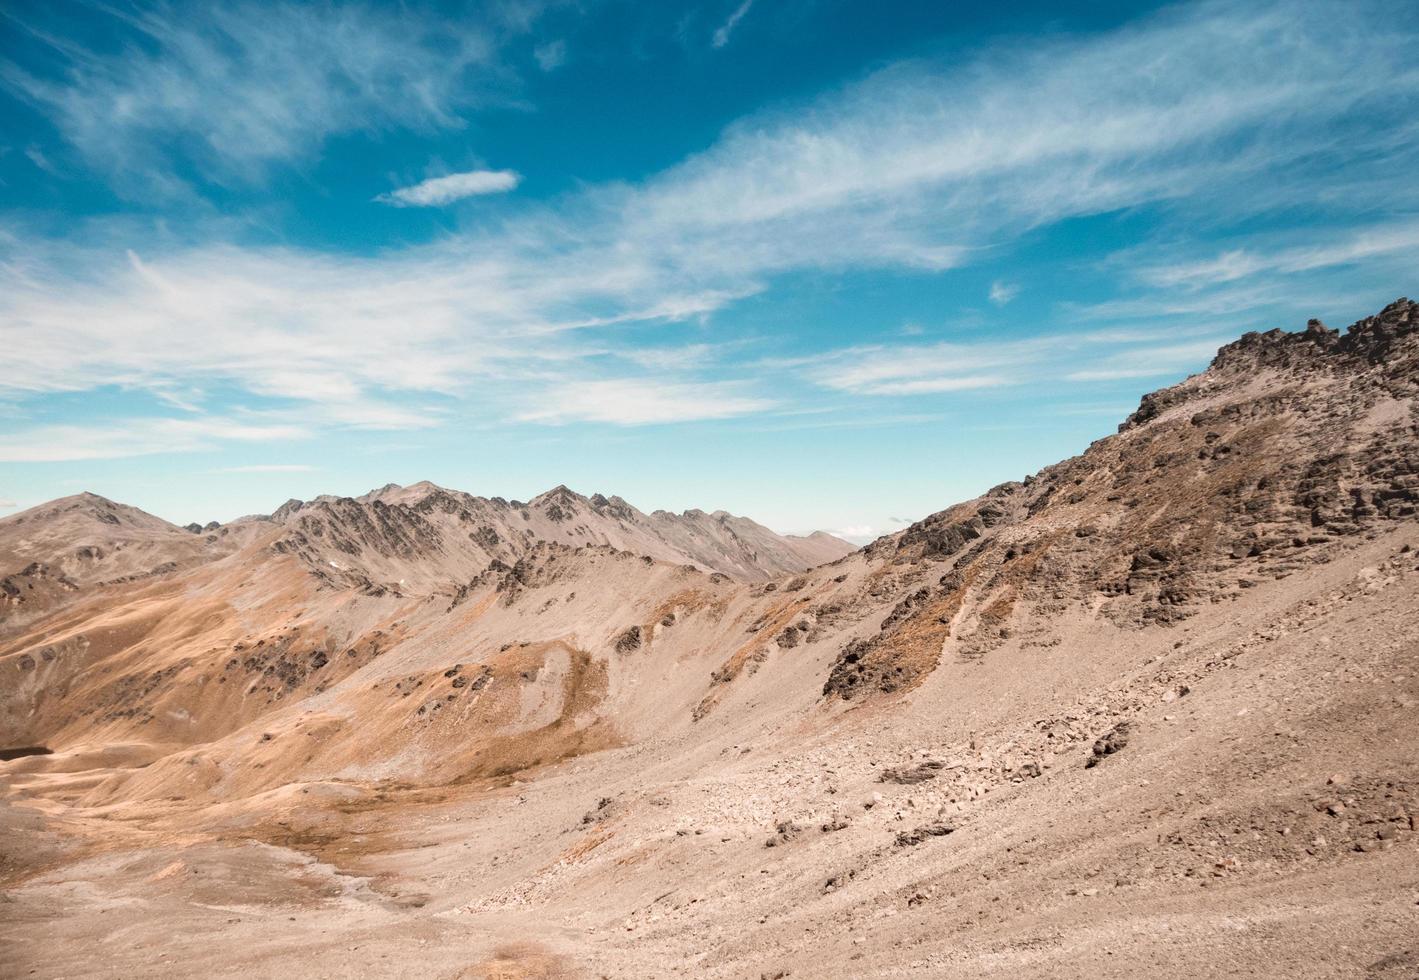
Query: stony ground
x,y
1256,819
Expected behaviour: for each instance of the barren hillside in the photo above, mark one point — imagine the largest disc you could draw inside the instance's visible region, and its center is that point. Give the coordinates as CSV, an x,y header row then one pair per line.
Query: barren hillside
x,y
1149,711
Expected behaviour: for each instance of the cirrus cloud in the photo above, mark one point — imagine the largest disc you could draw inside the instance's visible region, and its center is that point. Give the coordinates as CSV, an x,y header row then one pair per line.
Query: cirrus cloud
x,y
643,402
921,167
438,191
229,91
136,437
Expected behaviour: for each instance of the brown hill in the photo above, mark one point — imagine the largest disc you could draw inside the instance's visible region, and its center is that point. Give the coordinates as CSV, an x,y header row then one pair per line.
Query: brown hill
x,y
51,552
1144,713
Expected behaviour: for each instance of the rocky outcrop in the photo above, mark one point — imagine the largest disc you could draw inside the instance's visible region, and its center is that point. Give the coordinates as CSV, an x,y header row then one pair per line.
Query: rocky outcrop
x,y
1289,446
629,640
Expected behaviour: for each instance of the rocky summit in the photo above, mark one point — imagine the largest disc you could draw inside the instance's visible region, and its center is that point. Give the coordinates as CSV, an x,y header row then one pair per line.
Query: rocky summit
x,y
1156,703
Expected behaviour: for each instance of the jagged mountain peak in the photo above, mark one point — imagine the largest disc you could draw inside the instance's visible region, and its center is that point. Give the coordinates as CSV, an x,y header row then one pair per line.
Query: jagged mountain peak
x,y
395,493
560,491
425,537
1373,340
1371,353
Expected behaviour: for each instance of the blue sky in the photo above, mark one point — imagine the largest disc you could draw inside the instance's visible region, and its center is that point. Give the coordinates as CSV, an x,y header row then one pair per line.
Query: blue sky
x,y
826,263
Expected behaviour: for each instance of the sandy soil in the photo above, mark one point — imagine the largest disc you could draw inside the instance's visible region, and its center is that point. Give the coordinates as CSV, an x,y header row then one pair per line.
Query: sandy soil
x,y
1203,846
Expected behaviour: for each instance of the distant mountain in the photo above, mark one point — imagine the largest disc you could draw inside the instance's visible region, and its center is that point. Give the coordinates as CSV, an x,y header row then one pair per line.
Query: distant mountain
x,y
50,552
423,536
413,539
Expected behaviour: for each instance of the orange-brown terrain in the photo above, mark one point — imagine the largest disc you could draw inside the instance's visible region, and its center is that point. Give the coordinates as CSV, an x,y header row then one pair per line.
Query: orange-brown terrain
x,y
1149,712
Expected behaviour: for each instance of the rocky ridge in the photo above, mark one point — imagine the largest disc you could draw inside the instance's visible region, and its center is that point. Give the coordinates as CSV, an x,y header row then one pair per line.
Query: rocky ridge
x,y
1287,447
427,537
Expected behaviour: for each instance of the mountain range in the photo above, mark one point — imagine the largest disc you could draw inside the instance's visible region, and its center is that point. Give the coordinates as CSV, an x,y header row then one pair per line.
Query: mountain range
x,y
1149,709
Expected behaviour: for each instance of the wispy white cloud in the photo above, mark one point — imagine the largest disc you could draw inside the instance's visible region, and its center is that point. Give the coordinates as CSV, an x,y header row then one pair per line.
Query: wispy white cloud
x,y
682,358
927,369
1150,361
550,56
643,402
234,88
1045,132
725,30
856,533
919,167
438,191
187,399
135,437
268,468
8,505
1235,301
36,156
918,368
787,420
1346,247
1002,293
